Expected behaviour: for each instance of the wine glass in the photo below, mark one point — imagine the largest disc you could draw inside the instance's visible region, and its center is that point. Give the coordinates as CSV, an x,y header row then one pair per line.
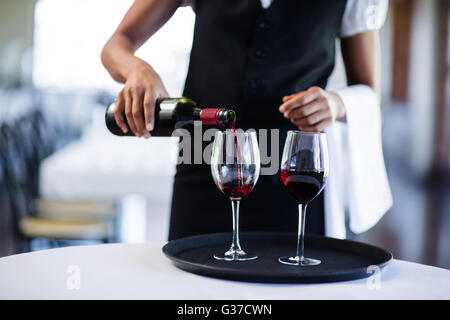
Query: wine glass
x,y
235,166
304,171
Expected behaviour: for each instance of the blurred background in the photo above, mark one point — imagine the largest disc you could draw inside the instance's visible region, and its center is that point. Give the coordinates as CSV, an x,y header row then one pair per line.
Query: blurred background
x,y
64,180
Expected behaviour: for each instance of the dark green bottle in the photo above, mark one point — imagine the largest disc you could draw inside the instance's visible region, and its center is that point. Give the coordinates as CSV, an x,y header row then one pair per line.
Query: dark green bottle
x,y
174,113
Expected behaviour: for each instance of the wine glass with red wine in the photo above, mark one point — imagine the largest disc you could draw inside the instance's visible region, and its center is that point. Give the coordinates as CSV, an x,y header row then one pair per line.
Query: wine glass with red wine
x,y
235,166
304,171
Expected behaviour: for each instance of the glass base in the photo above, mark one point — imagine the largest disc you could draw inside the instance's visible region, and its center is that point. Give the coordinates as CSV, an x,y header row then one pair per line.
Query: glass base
x,y
235,255
299,261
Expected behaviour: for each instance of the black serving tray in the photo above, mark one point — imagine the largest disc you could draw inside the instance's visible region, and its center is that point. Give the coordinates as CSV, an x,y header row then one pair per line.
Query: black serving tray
x,y
341,259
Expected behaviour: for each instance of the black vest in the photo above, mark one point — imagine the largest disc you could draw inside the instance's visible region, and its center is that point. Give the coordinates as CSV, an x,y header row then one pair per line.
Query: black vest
x,y
248,58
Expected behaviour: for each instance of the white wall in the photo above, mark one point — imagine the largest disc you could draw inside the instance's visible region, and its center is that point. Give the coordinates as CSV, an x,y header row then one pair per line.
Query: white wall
x,y
386,60
70,35
422,83
16,40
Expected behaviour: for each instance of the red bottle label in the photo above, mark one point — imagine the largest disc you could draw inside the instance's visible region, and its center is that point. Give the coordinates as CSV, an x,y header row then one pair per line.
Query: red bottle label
x,y
210,116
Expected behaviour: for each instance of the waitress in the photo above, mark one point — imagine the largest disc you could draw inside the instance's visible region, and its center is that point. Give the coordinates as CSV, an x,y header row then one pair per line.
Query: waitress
x,y
270,61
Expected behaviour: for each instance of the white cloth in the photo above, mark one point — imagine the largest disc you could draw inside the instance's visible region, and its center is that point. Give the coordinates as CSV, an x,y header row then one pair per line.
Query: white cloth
x,y
358,178
141,271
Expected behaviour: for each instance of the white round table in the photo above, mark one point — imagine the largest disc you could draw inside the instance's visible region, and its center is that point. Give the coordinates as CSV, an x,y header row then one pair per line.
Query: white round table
x,y
141,271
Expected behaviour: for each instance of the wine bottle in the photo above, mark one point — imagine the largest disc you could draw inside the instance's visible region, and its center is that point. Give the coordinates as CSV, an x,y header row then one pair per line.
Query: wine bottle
x,y
174,113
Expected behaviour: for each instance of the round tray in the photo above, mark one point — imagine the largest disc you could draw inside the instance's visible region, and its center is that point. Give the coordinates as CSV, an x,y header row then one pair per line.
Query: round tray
x,y
341,259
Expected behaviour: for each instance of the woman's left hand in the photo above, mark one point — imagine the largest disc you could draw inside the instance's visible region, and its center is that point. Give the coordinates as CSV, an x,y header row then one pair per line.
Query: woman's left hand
x,y
313,110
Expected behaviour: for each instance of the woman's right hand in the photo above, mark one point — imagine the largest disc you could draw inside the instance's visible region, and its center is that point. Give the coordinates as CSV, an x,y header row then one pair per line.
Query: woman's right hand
x,y
135,104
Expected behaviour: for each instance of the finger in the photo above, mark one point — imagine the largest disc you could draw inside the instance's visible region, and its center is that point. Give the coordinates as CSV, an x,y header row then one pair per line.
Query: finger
x,y
306,110
319,127
138,114
129,112
149,110
118,113
300,99
287,98
312,119
322,125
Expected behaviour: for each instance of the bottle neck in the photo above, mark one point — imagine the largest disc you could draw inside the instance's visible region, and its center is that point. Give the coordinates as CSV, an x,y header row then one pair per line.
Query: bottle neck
x,y
210,116
218,117
182,109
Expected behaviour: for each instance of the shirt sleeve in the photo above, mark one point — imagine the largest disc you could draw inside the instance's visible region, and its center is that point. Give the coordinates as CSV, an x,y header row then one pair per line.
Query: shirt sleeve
x,y
363,15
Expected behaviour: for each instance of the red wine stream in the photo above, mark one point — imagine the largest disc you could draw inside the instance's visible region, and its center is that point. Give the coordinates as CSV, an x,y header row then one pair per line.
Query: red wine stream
x,y
240,190
238,155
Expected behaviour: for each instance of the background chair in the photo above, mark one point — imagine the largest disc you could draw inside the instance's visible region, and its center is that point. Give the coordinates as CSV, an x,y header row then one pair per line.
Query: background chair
x,y
24,142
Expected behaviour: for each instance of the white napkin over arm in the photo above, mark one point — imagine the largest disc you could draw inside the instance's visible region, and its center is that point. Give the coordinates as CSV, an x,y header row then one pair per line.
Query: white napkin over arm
x,y
367,188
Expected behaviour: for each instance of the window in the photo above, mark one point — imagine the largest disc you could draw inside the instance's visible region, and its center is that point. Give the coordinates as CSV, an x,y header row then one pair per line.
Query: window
x,y
69,36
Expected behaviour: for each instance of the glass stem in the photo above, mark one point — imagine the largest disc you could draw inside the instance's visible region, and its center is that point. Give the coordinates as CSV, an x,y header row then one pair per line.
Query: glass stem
x,y
235,245
301,232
